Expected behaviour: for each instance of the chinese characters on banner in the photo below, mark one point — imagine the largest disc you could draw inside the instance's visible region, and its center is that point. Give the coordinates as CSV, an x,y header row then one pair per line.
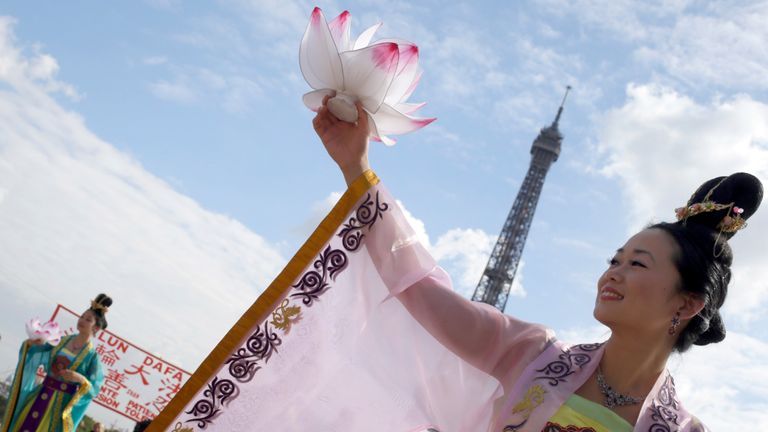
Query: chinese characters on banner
x,y
137,384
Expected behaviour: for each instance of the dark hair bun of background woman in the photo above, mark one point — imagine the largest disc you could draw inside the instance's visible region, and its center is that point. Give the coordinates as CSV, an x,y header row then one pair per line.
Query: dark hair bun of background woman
x,y
742,189
103,300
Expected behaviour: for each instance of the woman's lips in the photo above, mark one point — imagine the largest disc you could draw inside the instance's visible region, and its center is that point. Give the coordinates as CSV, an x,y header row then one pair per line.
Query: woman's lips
x,y
610,294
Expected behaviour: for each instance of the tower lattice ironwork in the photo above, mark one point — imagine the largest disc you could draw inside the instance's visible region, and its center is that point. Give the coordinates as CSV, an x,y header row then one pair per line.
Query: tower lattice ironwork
x,y
496,282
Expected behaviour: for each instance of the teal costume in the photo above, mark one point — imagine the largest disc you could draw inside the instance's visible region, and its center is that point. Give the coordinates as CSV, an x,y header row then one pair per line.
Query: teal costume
x,y
54,405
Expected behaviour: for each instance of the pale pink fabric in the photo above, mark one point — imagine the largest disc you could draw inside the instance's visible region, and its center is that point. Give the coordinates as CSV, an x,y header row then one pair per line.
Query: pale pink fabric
x,y
390,347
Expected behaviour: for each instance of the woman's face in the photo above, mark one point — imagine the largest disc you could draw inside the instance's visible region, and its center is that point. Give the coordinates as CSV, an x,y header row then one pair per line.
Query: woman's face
x,y
639,292
86,324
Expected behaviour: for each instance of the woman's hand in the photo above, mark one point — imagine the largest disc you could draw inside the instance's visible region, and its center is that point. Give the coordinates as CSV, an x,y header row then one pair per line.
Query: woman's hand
x,y
346,143
72,376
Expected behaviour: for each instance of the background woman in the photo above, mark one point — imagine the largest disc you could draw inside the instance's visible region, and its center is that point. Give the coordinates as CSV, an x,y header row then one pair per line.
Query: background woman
x,y
661,292
73,377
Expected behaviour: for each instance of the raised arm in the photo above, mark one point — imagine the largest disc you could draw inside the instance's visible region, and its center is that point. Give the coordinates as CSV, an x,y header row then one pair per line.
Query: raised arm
x,y
478,333
346,143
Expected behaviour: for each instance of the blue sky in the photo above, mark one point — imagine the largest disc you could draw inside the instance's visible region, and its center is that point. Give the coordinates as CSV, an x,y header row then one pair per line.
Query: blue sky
x,y
159,151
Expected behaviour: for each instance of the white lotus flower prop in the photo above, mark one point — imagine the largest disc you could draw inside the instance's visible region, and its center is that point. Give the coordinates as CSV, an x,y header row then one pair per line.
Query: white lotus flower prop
x,y
382,76
45,332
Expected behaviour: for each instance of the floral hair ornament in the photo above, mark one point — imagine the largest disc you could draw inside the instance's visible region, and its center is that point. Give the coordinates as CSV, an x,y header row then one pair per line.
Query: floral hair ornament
x,y
99,307
382,76
729,224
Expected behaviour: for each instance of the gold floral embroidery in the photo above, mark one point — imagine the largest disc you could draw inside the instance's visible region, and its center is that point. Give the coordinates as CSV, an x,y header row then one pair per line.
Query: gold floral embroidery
x,y
178,428
534,397
284,316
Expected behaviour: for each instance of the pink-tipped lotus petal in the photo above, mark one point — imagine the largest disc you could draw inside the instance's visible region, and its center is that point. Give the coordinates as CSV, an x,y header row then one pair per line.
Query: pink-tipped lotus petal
x,y
339,27
318,55
314,99
51,327
387,140
47,332
365,37
368,73
411,88
389,121
406,79
407,71
409,108
32,326
374,132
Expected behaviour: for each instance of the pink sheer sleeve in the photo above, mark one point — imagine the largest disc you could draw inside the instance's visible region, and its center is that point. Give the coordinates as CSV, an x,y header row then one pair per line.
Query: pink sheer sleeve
x,y
478,333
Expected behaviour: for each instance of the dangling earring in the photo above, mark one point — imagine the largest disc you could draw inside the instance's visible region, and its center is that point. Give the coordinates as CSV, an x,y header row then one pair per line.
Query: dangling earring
x,y
675,323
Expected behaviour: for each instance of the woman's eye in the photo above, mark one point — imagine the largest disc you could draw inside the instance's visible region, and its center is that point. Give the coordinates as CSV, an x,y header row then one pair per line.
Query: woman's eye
x,y
612,262
638,263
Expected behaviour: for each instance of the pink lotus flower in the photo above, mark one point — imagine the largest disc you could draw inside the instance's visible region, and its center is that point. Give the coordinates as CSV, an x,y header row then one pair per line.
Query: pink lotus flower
x,y
46,332
382,76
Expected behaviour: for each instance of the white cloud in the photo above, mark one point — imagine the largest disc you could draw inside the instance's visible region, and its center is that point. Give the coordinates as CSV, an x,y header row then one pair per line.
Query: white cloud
x,y
319,210
517,289
280,18
725,45
219,36
576,243
277,27
723,384
461,59
466,252
418,226
21,69
154,60
463,252
171,5
595,332
661,145
234,93
173,91
720,43
748,291
626,19
78,217
241,93
438,133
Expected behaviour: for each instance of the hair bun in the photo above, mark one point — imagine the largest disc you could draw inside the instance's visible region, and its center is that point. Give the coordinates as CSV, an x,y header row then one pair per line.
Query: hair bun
x,y
714,333
744,190
103,300
100,306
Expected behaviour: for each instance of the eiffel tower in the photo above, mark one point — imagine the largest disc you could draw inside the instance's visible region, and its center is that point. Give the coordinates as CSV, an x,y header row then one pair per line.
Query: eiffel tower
x,y
499,273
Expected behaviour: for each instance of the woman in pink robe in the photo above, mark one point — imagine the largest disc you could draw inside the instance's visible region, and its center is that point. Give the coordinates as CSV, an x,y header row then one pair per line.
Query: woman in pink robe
x,y
661,293
361,331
